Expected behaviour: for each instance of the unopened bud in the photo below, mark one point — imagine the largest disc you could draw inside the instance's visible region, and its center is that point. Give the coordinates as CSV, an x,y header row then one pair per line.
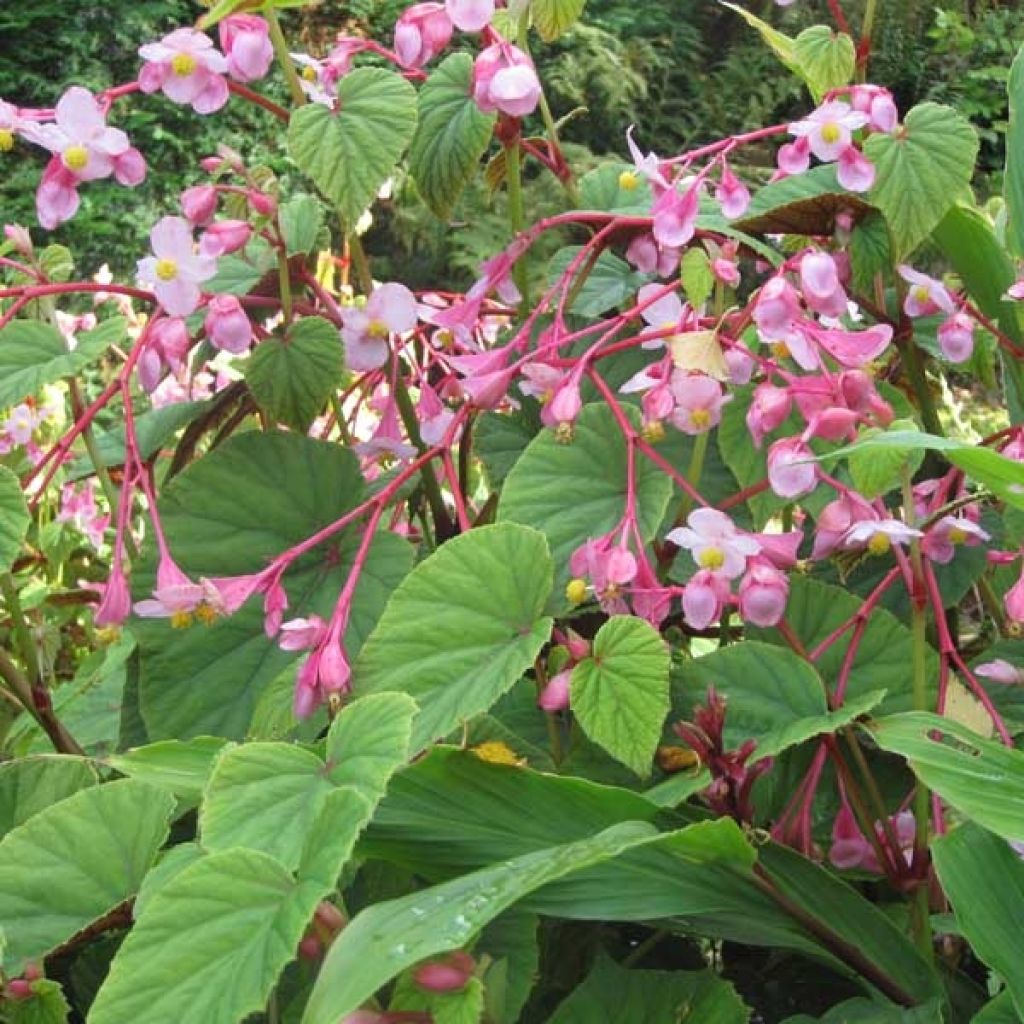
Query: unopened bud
x,y
448,975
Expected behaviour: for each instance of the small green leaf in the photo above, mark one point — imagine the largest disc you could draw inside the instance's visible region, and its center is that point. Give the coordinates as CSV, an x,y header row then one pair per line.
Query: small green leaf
x,y
302,219
463,1006
877,470
31,784
553,17
620,693
350,152
239,273
293,377
46,1005
603,188
781,45
826,59
452,134
462,627
920,171
696,276
14,518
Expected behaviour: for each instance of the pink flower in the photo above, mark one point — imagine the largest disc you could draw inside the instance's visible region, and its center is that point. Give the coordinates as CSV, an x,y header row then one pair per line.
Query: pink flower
x,y
675,215
10,125
726,271
819,282
651,258
777,310
950,532
245,40
829,129
301,634
780,549
451,974
387,439
926,296
768,410
186,67
227,325
854,171
609,567
699,402
852,349
176,597
649,166
19,237
555,695
794,157
732,195
651,600
956,337
715,543
470,15
849,847
390,309
763,593
667,312
167,345
565,405
878,104
199,204
836,518
504,79
1000,671
1014,601
1016,290
223,237
704,598
175,269
435,418
20,424
791,469
421,33
487,378
879,535
326,671
116,603
78,506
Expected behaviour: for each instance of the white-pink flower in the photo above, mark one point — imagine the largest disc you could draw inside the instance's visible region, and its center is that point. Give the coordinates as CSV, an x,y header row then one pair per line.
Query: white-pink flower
x,y
925,296
956,337
470,15
245,40
792,471
504,79
878,536
390,309
421,33
699,401
185,66
819,282
175,269
829,129
715,543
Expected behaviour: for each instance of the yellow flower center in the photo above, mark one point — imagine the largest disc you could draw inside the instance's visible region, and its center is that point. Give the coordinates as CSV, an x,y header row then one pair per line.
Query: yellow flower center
x,y
75,157
166,270
576,591
701,418
922,294
181,620
377,329
879,544
6,140
183,64
309,73
653,432
207,614
628,180
564,433
831,133
780,350
711,558
957,535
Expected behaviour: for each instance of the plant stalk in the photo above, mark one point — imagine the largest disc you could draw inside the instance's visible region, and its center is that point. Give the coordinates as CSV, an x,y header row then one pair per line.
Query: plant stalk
x,y
284,58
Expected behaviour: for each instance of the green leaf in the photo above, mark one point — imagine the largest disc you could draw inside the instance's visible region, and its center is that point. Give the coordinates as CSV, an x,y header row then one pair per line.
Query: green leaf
x,y
553,17
510,940
826,59
46,1005
920,171
620,693
239,273
876,471
293,377
462,627
869,252
774,696
349,153
603,188
33,354
575,491
302,219
998,1011
696,276
14,518
500,438
75,861
452,134
980,778
216,936
611,280
171,863
1013,181
387,938
1002,476
611,995
984,880
31,784
871,1011
230,513
179,766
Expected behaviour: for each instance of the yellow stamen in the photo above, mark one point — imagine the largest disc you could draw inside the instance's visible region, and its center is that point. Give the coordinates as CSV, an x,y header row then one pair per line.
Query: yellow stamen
x,y
183,64
831,133
628,180
181,620
711,558
166,270
922,294
576,591
957,535
377,329
75,157
879,544
780,350
309,73
6,140
207,614
564,433
700,418
653,432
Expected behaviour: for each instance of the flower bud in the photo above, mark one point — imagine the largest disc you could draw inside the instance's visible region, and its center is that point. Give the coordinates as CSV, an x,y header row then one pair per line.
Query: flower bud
x,y
555,695
227,325
262,202
223,237
199,204
245,40
448,975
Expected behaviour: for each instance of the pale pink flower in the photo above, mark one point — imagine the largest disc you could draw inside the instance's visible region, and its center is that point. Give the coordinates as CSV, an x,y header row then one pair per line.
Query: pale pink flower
x,y
763,593
852,349
78,507
504,79
387,440
1016,290
704,598
791,469
651,599
726,271
714,542
768,410
116,600
470,15
829,129
19,237
422,32
878,104
175,269
956,337
668,312
819,282
555,695
223,237
878,536
185,66
644,253
732,195
10,125
835,520
20,424
199,204
699,400
178,598
301,634
777,310
649,166
609,567
167,345
434,416
227,325
565,405
486,379
245,40
390,309
949,533
780,549
926,296
674,215
313,79
794,157
854,171
1000,671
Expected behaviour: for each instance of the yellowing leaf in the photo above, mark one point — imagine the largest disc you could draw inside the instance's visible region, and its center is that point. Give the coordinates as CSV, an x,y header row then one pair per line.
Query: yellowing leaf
x,y
963,707
699,350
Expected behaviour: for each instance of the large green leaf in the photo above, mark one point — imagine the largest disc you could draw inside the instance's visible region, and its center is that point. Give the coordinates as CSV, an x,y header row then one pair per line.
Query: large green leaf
x,y
76,860
302,219
1013,182
292,377
609,282
14,518
510,940
578,490
269,796
387,938
920,171
774,696
620,693
216,936
984,880
826,59
870,1011
31,784
230,513
349,153
451,135
553,17
179,766
980,778
33,354
1000,1010
462,627
802,204
611,995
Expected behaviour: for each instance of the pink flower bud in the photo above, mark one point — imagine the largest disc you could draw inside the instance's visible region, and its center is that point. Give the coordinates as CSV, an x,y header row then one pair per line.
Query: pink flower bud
x,y
819,282
245,40
578,646
311,948
704,598
19,238
763,593
555,695
199,204
421,33
227,325
330,917
956,338
854,171
768,411
732,195
116,603
224,236
791,469
19,990
210,164
448,975
726,271
32,971
566,404
504,80
261,202
470,15
334,671
1014,601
